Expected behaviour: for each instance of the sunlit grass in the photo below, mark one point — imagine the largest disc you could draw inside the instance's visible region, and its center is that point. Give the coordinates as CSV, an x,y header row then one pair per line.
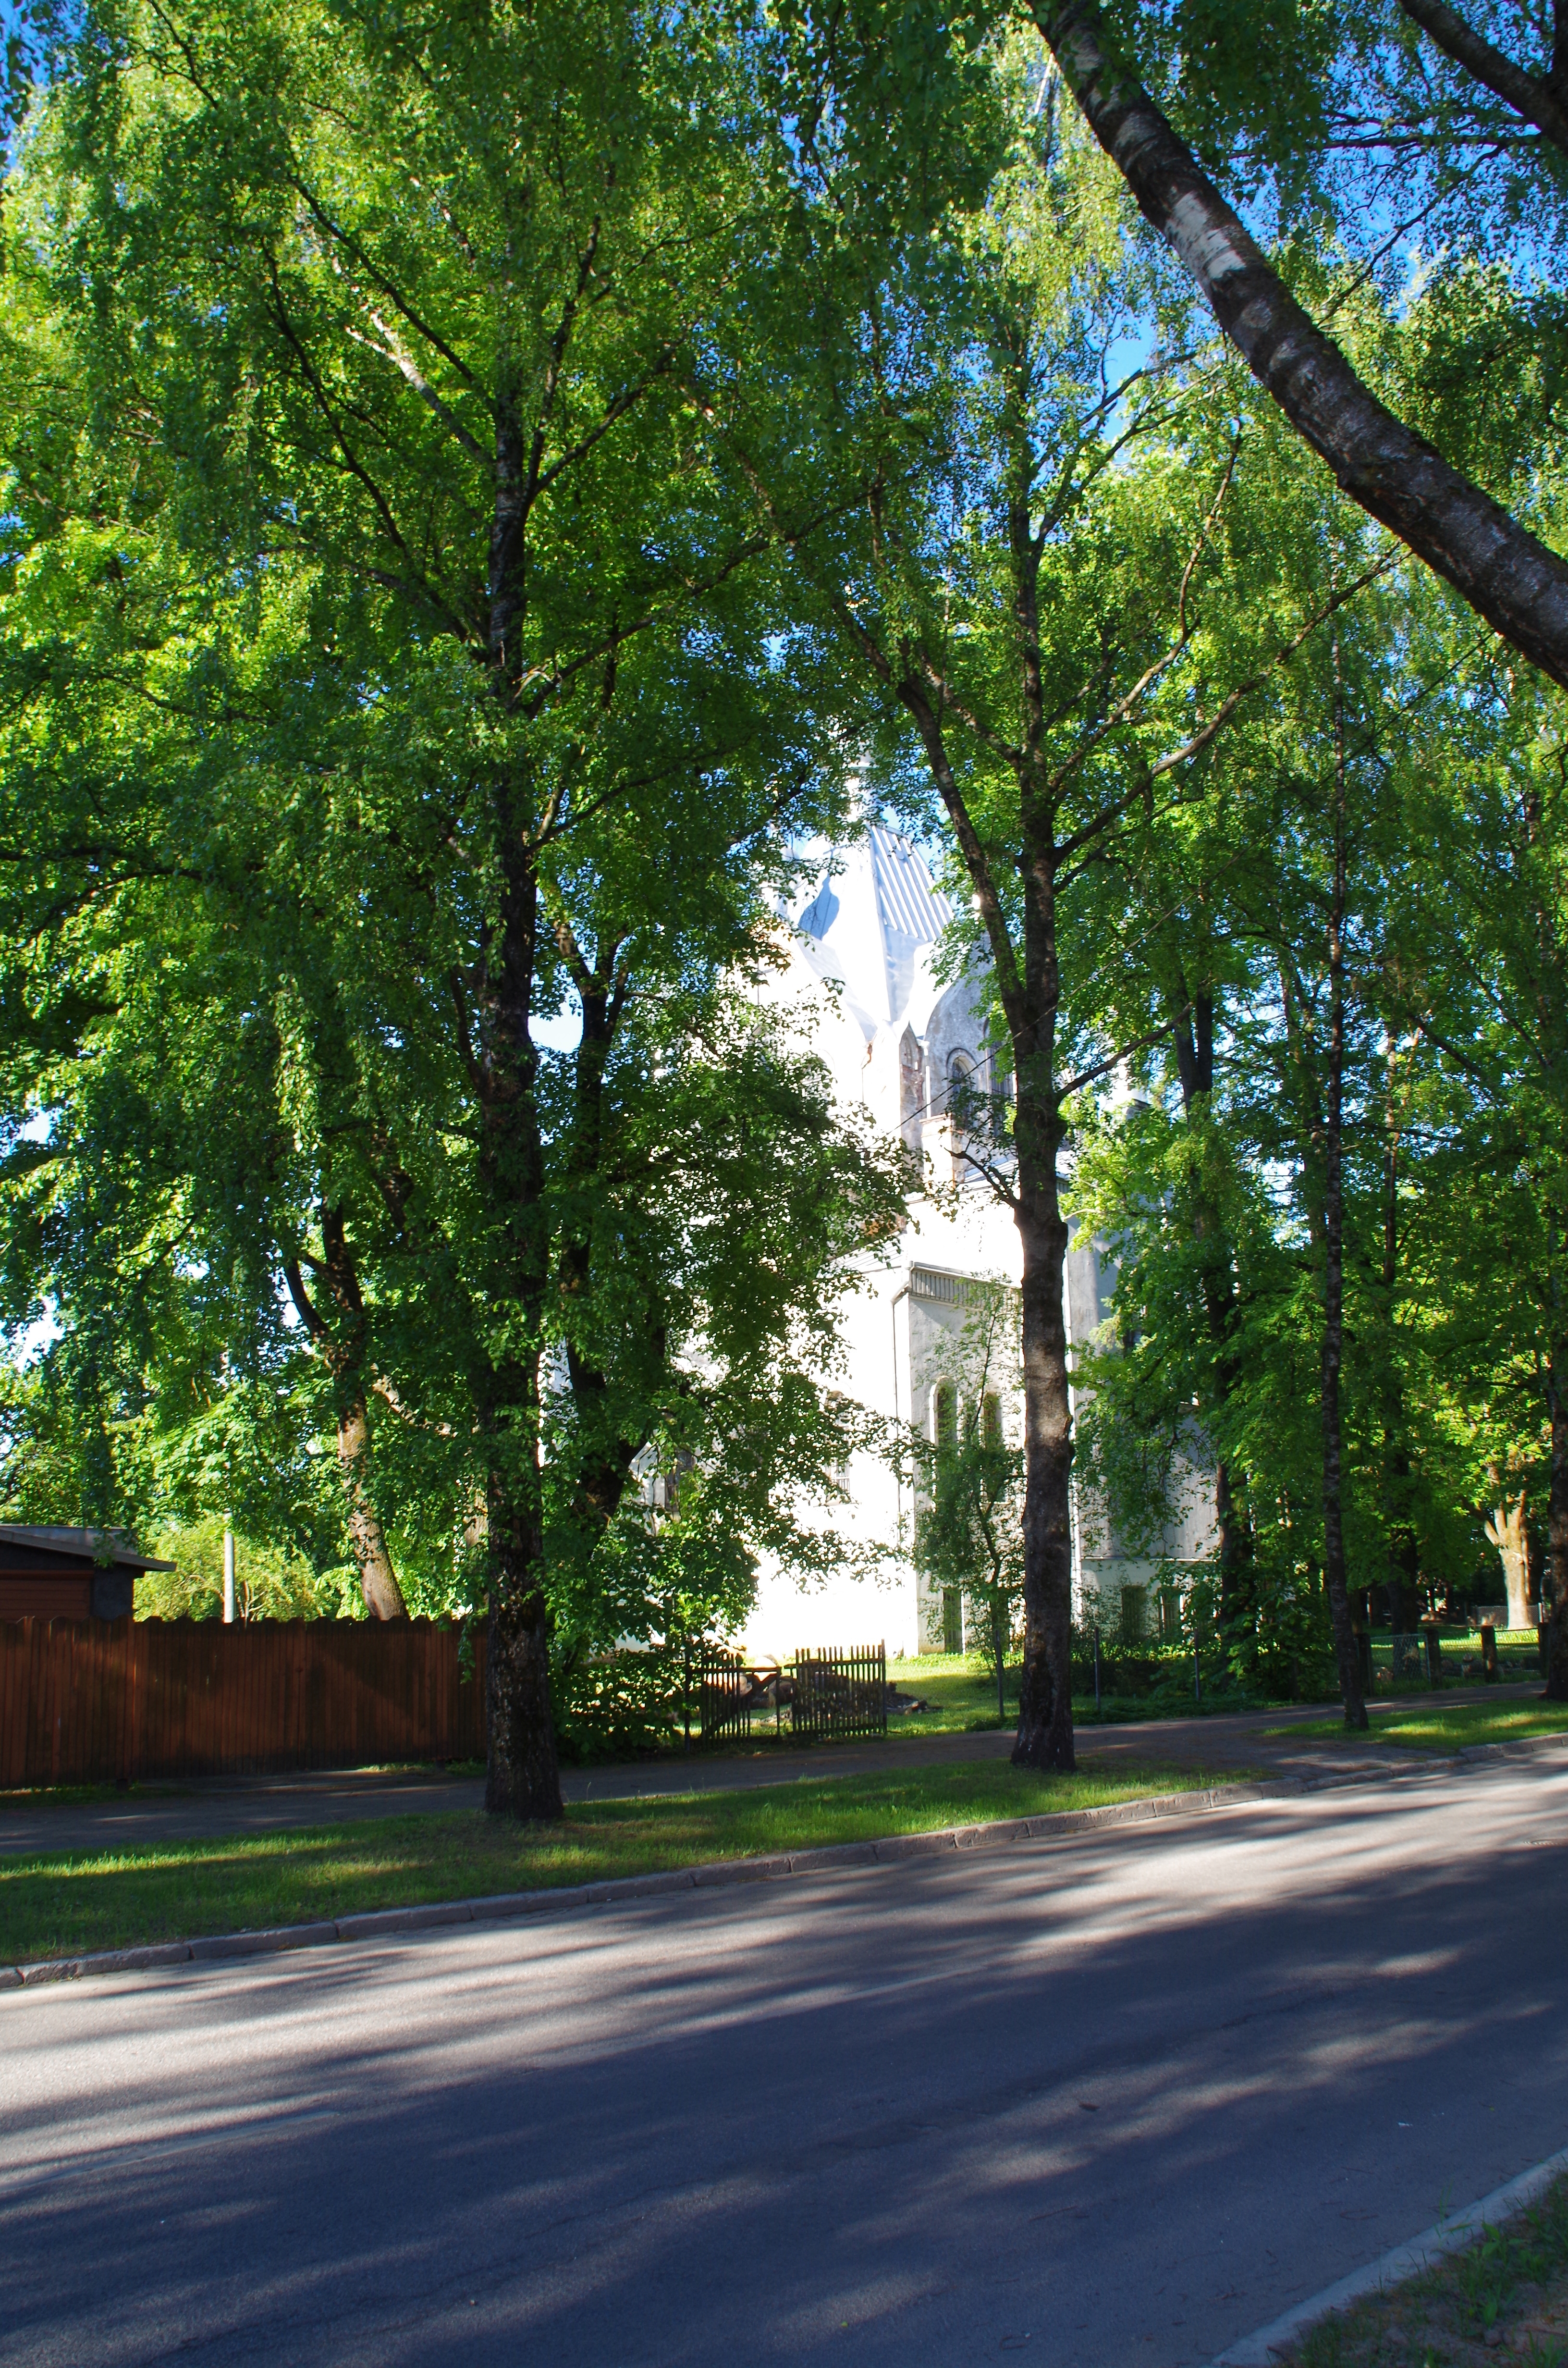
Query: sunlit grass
x,y
60,1904
1446,1727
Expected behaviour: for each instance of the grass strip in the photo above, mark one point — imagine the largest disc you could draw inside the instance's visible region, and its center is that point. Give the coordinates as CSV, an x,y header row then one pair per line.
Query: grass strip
x,y
1506,2296
1444,1728
58,1905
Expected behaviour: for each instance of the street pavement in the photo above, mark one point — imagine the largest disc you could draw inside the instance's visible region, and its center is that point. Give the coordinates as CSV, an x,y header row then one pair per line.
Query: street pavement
x,y
215,1806
1116,2098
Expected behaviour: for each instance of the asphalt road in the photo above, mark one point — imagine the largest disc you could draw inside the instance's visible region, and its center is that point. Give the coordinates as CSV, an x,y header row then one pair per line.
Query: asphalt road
x,y
217,1805
1115,2099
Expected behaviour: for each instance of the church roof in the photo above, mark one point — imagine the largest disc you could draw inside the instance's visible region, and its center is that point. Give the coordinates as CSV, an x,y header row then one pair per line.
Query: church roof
x,y
870,924
910,906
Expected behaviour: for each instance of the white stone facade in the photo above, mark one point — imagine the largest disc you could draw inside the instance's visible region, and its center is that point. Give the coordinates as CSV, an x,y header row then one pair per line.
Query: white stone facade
x,y
861,953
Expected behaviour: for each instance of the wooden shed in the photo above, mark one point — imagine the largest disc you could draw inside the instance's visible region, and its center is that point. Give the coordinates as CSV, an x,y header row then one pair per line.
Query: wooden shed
x,y
49,1574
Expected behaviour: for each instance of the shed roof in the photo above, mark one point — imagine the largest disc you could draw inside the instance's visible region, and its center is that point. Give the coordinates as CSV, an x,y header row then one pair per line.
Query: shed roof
x,y
81,1545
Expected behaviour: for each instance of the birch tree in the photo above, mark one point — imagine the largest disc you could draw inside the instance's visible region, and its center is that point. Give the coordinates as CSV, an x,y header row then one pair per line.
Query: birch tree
x,y
382,322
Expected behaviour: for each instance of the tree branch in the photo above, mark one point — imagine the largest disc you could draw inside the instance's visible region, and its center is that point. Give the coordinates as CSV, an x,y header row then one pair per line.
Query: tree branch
x,y
1495,565
1532,98
395,352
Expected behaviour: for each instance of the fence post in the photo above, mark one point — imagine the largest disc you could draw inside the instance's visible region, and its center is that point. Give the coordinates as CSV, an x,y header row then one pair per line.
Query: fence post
x,y
1096,1635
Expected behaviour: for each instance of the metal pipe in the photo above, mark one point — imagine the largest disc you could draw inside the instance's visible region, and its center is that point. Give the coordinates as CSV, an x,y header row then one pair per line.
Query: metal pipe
x,y
228,1576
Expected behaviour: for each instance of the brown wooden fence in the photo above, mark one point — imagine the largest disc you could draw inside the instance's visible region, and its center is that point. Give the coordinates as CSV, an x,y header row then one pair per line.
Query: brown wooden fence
x,y
91,1702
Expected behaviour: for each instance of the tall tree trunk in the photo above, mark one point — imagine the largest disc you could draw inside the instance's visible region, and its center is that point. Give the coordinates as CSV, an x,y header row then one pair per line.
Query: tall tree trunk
x,y
1557,1522
1029,1004
1539,98
1505,574
1194,1035
1399,1529
605,1465
377,1580
1333,1264
522,1772
343,1353
1506,1530
1045,1696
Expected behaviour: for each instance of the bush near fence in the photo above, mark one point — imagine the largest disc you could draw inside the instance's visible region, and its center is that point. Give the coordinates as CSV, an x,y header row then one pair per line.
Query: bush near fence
x,y
93,1702
620,1706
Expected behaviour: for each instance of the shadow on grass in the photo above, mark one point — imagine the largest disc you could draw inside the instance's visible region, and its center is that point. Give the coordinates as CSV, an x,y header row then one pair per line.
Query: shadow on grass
x,y
64,1902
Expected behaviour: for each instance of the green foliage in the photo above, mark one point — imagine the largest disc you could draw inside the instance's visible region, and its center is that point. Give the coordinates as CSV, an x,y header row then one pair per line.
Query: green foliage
x,y
388,1120
970,1483
268,1585
311,850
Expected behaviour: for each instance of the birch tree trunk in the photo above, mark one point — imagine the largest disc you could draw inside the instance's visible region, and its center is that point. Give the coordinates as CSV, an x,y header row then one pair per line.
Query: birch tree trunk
x,y
1506,575
1541,99
377,1580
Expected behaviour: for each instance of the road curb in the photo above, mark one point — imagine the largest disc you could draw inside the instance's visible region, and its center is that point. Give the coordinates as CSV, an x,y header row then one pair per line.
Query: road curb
x,y
1261,2348
380,1923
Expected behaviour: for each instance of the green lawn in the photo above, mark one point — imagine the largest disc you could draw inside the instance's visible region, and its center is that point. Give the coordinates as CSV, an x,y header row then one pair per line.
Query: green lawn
x,y
962,1696
57,1906
1446,1727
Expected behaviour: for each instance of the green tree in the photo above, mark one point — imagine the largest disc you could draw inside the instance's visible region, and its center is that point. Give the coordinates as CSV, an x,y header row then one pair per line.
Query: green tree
x,y
969,1518
1042,583
408,623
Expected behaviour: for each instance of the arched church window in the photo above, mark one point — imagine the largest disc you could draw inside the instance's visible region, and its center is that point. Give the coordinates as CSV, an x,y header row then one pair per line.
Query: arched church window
x,y
991,1419
945,1414
962,1081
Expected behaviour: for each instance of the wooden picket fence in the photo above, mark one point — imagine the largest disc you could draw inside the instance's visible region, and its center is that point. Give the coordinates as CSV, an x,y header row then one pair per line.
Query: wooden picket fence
x,y
85,1702
831,1697
841,1695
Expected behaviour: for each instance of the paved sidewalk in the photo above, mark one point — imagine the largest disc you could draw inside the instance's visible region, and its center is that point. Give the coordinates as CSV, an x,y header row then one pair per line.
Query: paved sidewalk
x,y
219,1806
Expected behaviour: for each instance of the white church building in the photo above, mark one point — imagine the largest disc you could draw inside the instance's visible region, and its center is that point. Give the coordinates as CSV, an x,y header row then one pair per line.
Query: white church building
x,y
862,948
